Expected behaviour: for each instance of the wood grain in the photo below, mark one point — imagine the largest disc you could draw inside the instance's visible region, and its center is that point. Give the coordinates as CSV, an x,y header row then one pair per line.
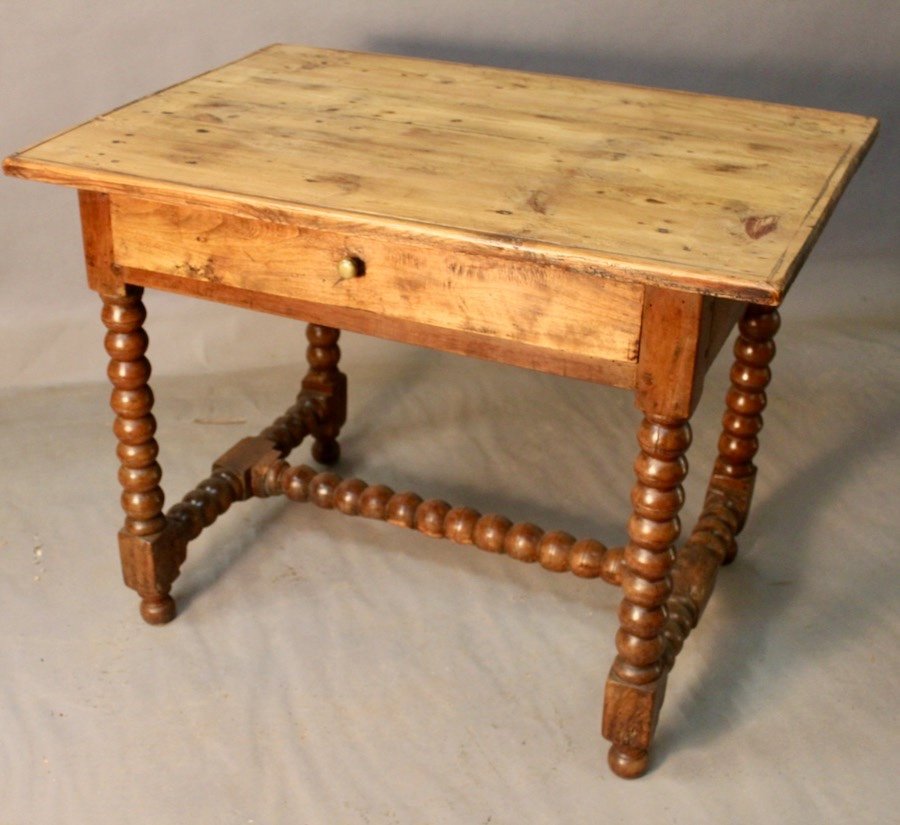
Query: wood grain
x,y
596,230
734,472
690,191
670,368
545,306
326,385
555,550
636,684
571,365
149,552
96,233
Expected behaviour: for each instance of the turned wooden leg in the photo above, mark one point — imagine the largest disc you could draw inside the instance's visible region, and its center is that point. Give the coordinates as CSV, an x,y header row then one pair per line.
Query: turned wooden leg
x,y
328,385
149,555
636,683
734,472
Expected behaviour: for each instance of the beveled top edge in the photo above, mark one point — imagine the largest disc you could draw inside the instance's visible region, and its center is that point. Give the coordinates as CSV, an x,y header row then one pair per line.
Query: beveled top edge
x,y
770,289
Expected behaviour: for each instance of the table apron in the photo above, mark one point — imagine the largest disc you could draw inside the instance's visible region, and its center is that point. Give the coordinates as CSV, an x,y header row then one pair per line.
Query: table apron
x,y
573,314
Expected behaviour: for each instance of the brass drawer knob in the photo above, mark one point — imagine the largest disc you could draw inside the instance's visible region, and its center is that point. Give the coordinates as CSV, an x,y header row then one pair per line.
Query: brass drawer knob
x,y
349,267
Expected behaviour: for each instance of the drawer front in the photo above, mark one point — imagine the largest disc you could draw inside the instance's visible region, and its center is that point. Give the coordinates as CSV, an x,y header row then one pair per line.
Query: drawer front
x,y
518,300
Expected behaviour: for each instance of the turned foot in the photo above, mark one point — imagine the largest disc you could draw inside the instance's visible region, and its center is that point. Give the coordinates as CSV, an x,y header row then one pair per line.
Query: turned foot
x,y
158,609
326,450
629,763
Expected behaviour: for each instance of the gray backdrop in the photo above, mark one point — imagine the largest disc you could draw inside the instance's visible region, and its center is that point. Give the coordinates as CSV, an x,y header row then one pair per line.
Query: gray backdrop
x,y
328,670
65,61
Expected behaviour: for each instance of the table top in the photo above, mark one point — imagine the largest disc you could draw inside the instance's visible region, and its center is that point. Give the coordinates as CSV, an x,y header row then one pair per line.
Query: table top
x,y
697,192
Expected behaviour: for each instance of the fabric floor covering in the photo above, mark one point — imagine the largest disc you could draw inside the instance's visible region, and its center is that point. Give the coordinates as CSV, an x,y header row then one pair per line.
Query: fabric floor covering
x,y
325,669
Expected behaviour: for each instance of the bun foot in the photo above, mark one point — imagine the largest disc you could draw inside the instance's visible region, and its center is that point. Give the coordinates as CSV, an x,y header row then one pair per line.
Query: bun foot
x,y
158,609
326,451
629,763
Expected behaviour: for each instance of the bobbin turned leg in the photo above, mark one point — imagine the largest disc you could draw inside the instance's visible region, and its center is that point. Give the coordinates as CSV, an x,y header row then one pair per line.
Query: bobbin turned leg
x,y
734,473
328,385
150,553
636,684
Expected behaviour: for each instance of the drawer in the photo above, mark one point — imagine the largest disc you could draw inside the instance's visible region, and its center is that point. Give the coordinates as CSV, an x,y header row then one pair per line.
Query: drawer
x,y
485,294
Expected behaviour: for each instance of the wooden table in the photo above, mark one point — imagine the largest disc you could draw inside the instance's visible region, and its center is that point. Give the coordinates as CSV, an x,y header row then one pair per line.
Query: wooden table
x,y
595,230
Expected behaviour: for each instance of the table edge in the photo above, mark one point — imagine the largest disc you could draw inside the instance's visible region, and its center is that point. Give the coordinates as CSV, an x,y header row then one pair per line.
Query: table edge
x,y
620,268
769,289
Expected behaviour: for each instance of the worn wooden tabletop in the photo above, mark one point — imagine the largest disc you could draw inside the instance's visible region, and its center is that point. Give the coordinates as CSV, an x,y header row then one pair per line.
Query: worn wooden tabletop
x,y
697,192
